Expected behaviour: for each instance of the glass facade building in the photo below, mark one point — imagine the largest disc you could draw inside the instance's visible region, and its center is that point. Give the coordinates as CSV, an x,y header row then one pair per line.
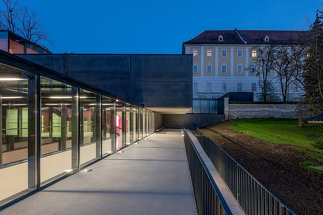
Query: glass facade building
x,y
52,126
15,44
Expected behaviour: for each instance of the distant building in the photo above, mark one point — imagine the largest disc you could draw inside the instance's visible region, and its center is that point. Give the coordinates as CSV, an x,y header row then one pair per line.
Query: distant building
x,y
223,61
15,44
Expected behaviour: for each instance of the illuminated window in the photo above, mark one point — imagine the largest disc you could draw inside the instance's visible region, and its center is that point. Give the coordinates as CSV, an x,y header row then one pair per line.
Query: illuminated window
x,y
224,52
239,68
308,54
209,68
195,68
224,68
220,38
239,53
209,53
254,53
195,53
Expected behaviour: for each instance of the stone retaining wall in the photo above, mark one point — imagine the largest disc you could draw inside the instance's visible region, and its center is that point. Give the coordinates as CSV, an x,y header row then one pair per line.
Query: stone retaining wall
x,y
289,111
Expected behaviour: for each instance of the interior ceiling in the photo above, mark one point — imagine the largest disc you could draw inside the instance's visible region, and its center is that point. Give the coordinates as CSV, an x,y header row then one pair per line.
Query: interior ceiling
x,y
163,110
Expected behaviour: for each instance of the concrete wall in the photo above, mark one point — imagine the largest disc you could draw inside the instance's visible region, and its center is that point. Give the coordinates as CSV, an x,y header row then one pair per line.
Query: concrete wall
x,y
265,111
190,121
158,120
152,80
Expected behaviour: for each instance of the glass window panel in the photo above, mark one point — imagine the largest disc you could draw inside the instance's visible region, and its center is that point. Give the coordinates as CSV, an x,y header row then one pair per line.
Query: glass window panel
x,y
17,89
119,125
108,107
56,129
204,106
127,125
89,125
134,123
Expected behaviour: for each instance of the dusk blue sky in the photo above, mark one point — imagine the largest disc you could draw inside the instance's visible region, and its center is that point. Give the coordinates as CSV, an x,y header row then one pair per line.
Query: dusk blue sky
x,y
155,27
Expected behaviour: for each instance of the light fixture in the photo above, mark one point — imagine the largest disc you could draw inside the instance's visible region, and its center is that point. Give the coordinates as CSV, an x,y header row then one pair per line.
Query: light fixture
x,y
12,97
68,170
12,79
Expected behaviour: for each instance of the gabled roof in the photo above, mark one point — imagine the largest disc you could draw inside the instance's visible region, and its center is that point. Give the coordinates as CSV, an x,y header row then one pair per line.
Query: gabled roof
x,y
248,36
275,37
212,37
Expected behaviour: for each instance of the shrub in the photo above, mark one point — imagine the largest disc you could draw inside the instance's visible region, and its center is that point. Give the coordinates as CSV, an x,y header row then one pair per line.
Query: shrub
x,y
318,144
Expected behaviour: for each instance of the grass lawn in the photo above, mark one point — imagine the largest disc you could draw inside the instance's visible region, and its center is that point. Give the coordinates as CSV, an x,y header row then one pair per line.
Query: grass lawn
x,y
284,131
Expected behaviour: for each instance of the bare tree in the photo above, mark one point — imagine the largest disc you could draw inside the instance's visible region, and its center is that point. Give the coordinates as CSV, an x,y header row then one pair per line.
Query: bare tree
x,y
262,65
9,15
21,20
288,66
30,27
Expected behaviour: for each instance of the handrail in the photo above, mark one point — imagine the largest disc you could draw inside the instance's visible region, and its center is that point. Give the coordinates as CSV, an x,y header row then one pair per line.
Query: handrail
x,y
253,197
211,194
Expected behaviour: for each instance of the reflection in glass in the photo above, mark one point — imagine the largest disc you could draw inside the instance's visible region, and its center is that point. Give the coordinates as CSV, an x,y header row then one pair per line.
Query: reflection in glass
x,y
127,125
90,146
134,124
119,125
56,129
17,142
108,117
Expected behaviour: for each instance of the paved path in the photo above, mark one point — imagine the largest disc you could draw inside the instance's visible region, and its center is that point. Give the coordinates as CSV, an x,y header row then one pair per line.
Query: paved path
x,y
148,178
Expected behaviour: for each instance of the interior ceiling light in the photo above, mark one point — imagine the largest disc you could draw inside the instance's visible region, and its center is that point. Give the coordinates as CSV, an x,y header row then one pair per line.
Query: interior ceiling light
x,y
12,97
12,79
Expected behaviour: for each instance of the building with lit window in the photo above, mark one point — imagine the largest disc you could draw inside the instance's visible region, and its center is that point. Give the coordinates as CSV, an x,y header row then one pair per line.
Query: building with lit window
x,y
15,44
224,61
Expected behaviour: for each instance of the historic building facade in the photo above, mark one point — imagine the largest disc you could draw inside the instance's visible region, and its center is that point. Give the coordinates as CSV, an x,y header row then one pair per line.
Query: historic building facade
x,y
224,61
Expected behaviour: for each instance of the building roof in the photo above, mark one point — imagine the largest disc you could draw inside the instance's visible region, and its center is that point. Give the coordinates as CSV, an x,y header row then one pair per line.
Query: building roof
x,y
247,36
276,37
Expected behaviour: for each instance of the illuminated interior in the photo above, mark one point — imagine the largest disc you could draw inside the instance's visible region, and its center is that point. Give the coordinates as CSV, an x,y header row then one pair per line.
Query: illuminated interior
x,y
76,127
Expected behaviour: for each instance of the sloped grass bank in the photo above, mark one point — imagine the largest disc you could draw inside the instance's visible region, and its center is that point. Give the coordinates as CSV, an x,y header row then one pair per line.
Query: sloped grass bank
x,y
285,131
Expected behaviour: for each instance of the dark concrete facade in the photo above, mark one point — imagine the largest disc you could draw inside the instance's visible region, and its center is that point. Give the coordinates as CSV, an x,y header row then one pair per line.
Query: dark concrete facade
x,y
152,80
190,121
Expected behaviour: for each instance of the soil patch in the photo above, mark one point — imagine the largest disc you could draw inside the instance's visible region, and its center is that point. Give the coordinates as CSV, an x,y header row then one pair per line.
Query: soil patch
x,y
275,166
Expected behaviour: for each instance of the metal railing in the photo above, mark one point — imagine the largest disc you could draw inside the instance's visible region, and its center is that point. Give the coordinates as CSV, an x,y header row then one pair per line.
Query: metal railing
x,y
208,198
253,197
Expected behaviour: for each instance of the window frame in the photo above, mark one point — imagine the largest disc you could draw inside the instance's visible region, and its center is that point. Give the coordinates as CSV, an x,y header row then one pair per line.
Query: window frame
x,y
195,66
209,52
195,53
238,50
238,65
226,52
209,66
226,68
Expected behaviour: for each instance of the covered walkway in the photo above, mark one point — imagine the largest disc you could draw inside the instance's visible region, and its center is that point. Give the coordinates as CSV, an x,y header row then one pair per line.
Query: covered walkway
x,y
151,177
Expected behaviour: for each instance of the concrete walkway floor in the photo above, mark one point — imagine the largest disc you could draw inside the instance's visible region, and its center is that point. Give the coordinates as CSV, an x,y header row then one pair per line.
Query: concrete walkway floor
x,y
148,178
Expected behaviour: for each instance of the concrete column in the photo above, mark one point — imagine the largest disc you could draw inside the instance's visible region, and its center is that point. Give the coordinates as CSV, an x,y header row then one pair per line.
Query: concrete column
x,y
226,108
